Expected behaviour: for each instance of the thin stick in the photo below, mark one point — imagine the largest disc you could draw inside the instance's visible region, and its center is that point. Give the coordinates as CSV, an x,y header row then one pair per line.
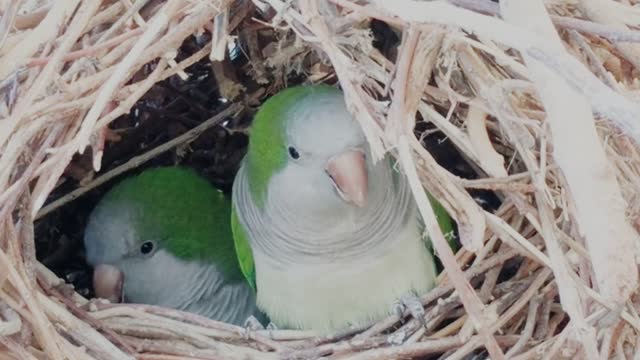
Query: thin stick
x,y
141,159
121,73
528,328
606,31
75,55
42,325
512,311
473,305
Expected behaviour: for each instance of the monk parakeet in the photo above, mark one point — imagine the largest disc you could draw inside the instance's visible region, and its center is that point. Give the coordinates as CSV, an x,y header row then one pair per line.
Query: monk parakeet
x,y
164,238
326,237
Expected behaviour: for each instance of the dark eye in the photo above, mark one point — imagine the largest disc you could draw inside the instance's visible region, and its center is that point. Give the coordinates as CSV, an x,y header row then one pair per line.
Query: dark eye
x,y
293,152
146,247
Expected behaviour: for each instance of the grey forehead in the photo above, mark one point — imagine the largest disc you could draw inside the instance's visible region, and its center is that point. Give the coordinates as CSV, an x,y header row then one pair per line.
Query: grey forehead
x,y
321,117
110,232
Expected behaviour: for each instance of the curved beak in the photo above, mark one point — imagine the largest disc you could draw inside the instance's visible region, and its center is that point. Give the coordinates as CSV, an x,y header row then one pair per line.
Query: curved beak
x,y
108,283
348,171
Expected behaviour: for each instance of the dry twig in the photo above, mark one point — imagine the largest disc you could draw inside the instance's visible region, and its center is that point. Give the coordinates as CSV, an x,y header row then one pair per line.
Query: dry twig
x,y
516,98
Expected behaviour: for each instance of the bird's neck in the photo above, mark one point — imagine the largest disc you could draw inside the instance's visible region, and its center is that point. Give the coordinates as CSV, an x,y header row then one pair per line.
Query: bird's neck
x,y
193,286
305,234
211,296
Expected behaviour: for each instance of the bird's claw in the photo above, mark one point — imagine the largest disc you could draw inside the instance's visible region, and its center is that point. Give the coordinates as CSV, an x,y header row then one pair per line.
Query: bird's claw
x,y
252,324
412,303
272,326
398,309
397,338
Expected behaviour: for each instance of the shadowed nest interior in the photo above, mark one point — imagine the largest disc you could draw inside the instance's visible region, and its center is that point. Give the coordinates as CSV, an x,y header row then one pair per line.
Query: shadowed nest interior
x,y
519,117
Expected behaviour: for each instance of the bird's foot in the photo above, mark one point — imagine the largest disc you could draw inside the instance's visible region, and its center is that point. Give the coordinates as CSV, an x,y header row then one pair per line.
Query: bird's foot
x,y
252,323
412,303
272,326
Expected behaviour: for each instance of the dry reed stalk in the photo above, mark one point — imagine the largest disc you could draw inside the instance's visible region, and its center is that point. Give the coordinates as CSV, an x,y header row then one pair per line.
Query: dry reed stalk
x,y
627,245
521,97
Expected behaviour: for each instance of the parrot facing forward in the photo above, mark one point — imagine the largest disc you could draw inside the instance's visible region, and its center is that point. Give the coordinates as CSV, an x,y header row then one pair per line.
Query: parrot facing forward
x,y
326,237
163,238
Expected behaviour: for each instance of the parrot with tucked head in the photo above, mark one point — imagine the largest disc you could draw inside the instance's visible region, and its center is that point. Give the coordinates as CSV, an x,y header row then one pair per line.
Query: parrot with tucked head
x,y
327,238
164,238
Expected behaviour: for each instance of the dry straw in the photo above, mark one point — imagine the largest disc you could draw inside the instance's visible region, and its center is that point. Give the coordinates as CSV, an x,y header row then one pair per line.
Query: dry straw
x,y
543,102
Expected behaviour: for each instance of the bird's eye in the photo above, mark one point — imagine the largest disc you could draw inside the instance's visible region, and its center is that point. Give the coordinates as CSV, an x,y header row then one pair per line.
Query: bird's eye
x,y
146,247
293,153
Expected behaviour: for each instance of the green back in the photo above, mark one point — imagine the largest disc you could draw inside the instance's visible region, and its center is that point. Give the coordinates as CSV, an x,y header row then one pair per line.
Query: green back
x,y
243,249
184,213
444,221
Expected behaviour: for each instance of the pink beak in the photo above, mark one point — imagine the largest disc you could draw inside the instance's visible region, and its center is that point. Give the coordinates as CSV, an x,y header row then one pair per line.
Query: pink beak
x,y
107,282
349,174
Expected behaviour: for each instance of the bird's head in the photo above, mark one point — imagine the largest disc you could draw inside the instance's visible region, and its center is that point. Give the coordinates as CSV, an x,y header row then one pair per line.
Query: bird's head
x,y
150,228
305,145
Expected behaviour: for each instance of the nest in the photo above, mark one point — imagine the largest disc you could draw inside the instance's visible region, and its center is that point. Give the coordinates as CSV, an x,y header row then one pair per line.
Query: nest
x,y
541,105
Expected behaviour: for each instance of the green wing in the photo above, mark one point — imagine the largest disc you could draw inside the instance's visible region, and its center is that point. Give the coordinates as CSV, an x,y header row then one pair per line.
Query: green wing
x,y
444,221
243,249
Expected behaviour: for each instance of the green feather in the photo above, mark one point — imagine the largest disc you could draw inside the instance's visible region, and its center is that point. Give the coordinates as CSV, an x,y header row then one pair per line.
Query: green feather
x,y
184,213
267,151
444,221
446,224
243,249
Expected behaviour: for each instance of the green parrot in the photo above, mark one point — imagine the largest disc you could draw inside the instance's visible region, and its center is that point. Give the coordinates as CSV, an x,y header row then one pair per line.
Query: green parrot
x,y
327,238
163,237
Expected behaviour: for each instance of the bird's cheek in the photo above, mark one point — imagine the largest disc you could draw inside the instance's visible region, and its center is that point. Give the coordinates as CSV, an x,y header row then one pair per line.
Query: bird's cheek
x,y
108,282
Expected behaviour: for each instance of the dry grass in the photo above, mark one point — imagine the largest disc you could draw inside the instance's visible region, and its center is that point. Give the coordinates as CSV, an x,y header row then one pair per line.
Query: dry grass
x,y
543,103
